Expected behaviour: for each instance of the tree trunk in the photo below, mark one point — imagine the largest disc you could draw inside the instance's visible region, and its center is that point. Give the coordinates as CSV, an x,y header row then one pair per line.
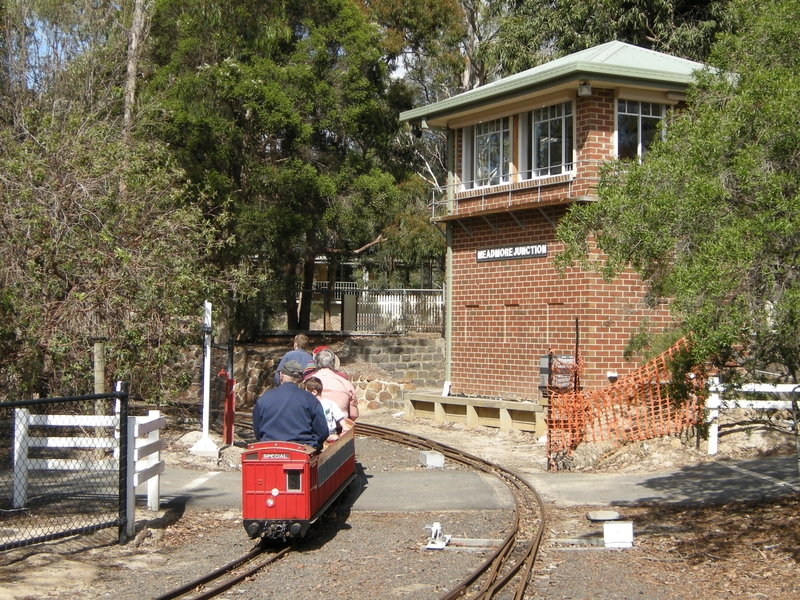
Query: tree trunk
x,y
305,299
290,299
134,37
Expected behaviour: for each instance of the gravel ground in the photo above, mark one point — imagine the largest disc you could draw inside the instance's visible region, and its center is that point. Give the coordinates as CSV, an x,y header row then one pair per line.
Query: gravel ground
x,y
679,552
353,554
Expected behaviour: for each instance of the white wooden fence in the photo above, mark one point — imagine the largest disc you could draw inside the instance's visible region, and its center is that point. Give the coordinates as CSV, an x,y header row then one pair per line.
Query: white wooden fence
x,y
715,403
143,460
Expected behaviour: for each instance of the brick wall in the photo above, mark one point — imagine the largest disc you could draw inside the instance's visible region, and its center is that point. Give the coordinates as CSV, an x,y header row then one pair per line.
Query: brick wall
x,y
508,314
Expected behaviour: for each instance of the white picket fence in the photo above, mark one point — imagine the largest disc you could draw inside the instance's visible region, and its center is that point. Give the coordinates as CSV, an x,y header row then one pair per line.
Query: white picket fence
x,y
715,403
143,460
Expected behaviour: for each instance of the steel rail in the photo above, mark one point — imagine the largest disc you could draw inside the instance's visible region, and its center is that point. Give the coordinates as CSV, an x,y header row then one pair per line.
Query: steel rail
x,y
221,572
526,498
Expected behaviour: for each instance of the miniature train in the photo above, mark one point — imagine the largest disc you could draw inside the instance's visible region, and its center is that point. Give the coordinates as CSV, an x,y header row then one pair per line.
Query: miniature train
x,y
287,486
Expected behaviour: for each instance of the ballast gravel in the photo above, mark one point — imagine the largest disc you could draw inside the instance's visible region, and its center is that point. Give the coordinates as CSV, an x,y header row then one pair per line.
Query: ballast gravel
x,y
738,550
351,554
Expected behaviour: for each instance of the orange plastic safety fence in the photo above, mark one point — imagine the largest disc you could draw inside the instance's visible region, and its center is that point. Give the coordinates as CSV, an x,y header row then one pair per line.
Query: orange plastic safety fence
x,y
636,407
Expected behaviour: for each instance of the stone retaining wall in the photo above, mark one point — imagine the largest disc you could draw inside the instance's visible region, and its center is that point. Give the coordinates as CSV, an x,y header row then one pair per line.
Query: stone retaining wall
x,y
399,363
413,360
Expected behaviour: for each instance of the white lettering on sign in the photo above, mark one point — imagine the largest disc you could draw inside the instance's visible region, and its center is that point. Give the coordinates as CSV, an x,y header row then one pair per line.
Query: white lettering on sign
x,y
510,252
284,456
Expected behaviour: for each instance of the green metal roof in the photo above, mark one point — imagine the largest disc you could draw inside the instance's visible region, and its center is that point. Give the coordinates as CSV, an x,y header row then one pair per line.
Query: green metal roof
x,y
613,63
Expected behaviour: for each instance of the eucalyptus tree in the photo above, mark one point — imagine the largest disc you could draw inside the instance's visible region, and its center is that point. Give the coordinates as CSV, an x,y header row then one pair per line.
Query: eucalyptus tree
x,y
537,31
96,237
440,48
709,219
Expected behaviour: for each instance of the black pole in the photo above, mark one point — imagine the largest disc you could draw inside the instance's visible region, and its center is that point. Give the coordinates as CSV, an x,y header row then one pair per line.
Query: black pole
x,y
121,393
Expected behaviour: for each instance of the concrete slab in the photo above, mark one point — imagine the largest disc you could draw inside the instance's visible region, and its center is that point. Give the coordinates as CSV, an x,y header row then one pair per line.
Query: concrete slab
x,y
713,482
432,490
436,489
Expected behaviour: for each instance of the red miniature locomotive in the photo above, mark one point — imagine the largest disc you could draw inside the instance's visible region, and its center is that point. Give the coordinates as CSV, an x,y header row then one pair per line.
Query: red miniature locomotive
x,y
287,486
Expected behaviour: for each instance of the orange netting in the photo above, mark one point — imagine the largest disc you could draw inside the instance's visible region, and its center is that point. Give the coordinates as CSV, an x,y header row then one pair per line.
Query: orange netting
x,y
636,407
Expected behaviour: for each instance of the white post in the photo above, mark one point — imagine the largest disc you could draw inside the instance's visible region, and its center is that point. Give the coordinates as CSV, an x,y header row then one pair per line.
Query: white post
x,y
130,507
154,483
712,405
21,423
205,446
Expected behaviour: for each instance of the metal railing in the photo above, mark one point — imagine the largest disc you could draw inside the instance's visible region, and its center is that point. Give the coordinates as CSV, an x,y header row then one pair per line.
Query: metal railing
x,y
63,467
339,288
579,171
379,311
399,311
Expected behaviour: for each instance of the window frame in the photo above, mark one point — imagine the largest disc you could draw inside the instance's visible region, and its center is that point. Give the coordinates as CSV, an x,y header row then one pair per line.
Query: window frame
x,y
639,114
567,117
504,147
290,475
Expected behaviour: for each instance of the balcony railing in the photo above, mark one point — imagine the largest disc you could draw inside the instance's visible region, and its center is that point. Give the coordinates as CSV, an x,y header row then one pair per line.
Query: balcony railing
x,y
577,172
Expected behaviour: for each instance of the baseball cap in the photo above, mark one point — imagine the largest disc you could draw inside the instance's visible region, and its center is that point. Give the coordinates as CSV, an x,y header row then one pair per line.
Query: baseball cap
x,y
292,368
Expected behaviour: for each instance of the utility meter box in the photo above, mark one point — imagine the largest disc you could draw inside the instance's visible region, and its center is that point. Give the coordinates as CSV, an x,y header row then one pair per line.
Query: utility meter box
x,y
555,371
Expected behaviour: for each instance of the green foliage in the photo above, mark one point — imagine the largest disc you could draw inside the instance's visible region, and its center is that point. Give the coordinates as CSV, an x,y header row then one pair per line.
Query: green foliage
x,y
709,218
540,30
97,239
97,243
284,116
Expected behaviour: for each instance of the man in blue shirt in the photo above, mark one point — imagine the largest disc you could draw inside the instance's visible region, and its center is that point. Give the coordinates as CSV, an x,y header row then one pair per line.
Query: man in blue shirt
x,y
288,413
300,354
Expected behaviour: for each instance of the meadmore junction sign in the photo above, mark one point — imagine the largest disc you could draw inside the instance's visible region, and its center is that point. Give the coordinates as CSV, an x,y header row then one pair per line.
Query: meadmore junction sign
x,y
511,252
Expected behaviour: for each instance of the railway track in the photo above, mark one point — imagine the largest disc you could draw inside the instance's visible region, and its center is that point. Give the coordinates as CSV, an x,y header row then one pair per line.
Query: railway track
x,y
226,576
506,572
509,568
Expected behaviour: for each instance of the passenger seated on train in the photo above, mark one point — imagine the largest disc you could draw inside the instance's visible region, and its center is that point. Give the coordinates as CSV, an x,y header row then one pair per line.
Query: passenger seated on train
x,y
335,385
289,413
337,420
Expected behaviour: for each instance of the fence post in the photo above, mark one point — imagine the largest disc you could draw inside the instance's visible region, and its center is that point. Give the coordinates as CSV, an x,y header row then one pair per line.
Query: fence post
x,y
154,483
130,489
405,301
21,423
125,456
712,406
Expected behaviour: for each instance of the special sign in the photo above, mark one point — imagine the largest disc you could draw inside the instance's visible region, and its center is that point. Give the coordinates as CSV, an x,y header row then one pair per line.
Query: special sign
x,y
511,252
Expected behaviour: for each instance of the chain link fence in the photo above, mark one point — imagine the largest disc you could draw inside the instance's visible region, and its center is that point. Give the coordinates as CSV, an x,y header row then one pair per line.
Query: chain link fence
x,y
62,467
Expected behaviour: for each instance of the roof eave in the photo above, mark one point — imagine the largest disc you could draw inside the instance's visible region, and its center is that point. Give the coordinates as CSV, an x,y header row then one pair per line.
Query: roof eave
x,y
543,81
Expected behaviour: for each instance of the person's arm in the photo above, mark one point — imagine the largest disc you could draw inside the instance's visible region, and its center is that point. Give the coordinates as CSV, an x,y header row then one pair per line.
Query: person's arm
x,y
338,414
319,424
352,407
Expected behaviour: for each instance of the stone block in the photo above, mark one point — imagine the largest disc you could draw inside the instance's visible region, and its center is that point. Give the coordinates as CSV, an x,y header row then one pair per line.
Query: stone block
x,y
431,459
618,534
